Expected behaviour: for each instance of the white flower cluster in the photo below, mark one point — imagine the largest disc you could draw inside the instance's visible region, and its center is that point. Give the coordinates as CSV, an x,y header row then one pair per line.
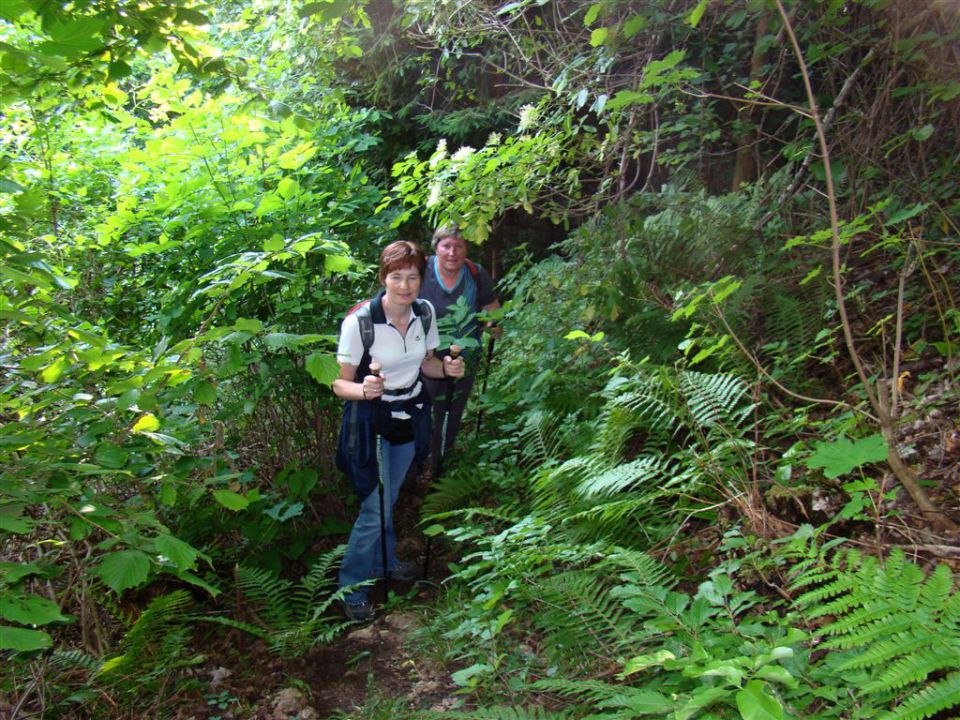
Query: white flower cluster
x,y
528,117
436,190
439,154
461,156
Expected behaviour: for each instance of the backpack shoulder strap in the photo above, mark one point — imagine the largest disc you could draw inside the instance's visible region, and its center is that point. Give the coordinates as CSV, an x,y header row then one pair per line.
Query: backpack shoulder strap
x,y
423,310
366,327
368,312
472,267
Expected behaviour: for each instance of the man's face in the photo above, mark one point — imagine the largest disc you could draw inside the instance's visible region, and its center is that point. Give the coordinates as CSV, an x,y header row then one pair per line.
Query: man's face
x,y
451,254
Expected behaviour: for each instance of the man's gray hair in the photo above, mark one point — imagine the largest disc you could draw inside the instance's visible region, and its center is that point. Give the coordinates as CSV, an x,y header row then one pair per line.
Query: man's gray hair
x,y
445,231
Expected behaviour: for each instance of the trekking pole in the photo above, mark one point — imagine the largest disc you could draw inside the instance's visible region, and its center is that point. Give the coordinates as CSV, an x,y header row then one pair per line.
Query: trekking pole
x,y
441,455
483,388
375,370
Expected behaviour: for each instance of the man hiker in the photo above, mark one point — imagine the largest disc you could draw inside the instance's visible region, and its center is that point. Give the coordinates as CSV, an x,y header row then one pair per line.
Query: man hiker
x,y
449,276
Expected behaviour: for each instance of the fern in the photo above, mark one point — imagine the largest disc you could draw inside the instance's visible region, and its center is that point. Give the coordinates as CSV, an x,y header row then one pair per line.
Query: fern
x,y
292,618
67,660
622,477
714,400
580,617
501,712
449,492
929,701
686,424
899,624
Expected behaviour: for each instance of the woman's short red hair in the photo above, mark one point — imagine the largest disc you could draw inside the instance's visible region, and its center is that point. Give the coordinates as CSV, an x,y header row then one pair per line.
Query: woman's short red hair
x,y
400,255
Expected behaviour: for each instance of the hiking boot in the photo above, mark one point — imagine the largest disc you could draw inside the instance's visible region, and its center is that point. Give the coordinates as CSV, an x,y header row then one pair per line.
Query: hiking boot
x,y
405,571
360,611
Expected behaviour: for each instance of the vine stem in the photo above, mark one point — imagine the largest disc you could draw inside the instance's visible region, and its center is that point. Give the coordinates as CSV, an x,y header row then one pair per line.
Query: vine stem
x,y
875,398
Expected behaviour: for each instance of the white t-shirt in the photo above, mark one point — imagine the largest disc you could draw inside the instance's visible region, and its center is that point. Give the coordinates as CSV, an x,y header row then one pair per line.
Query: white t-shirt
x,y
399,357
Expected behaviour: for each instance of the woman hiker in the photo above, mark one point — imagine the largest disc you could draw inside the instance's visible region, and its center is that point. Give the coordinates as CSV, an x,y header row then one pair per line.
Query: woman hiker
x,y
449,276
386,419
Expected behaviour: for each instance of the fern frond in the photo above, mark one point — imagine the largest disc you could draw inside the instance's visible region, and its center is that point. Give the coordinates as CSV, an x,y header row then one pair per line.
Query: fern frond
x,y
595,691
503,712
916,667
161,616
642,470
539,440
580,615
67,660
639,569
905,625
450,492
269,595
713,398
929,701
320,580
881,653
553,487
936,591
866,626
839,587
254,630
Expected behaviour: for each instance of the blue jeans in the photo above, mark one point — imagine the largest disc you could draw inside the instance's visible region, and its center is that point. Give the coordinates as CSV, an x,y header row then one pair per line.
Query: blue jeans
x,y
362,560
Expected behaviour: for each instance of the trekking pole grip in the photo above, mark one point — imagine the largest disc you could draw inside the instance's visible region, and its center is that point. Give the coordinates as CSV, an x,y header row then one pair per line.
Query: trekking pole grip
x,y
455,351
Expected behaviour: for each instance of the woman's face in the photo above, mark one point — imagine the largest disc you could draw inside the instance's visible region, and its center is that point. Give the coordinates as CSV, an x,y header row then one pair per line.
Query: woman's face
x,y
402,285
451,254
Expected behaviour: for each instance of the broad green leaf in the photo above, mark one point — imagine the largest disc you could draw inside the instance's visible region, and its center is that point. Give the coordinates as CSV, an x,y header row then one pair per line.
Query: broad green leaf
x,y
196,580
147,423
192,17
295,158
288,188
12,520
274,243
11,572
231,500
628,97
29,609
634,25
54,371
74,36
599,36
840,457
905,213
337,263
302,482
576,335
124,569
755,704
642,702
110,455
23,639
323,367
642,662
277,340
470,676
778,674
181,554
248,325
205,393
694,17
593,12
